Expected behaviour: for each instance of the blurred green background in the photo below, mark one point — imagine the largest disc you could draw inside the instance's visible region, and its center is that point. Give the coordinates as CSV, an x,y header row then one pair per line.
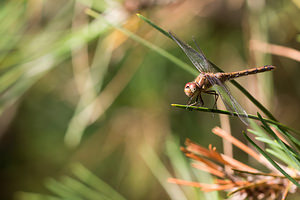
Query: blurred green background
x,y
76,90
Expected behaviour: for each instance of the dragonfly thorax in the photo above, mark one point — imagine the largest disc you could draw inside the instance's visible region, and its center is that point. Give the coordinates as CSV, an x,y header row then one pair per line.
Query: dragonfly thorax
x,y
202,81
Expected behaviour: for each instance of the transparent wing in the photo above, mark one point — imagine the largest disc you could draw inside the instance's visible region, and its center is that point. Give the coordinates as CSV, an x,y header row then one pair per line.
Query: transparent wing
x,y
197,58
201,63
229,101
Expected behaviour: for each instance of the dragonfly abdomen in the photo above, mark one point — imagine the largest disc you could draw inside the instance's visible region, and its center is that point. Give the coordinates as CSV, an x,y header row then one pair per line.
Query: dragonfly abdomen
x,y
246,72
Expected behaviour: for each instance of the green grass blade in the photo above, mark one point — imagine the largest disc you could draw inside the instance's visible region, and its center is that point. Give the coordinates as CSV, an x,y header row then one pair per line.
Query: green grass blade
x,y
26,74
154,25
93,181
279,154
82,189
292,154
272,143
203,109
161,173
35,196
294,140
181,167
61,190
258,133
272,161
140,40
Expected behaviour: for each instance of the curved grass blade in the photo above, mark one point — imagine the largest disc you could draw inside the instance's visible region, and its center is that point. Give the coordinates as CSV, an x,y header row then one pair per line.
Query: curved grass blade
x,y
140,40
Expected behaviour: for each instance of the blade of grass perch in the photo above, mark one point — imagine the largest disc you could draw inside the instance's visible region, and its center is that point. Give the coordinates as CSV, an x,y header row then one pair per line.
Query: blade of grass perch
x,y
272,161
236,84
203,109
292,154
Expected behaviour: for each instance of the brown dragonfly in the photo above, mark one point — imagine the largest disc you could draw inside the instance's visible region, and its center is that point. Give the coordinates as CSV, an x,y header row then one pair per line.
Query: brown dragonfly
x,y
211,82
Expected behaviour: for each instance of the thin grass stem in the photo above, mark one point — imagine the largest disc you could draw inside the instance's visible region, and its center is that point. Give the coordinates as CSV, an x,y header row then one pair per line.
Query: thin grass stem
x,y
203,109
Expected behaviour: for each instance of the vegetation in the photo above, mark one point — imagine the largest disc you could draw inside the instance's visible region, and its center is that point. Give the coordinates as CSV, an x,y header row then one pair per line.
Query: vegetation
x,y
90,90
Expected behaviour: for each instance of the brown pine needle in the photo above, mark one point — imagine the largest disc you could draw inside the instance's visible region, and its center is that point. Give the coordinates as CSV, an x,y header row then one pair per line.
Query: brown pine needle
x,y
216,187
203,160
242,181
221,133
209,170
184,182
286,190
238,165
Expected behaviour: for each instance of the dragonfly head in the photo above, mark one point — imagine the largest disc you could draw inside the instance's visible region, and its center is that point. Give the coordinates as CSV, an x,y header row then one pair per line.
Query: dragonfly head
x,y
190,89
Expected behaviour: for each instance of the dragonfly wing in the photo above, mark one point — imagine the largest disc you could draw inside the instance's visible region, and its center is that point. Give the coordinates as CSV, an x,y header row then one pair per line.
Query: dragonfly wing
x,y
229,101
202,64
197,58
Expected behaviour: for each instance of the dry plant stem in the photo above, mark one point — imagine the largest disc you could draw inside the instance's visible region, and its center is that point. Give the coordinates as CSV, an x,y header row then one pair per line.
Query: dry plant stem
x,y
223,134
198,158
204,187
220,158
285,192
237,164
225,124
209,170
184,182
275,49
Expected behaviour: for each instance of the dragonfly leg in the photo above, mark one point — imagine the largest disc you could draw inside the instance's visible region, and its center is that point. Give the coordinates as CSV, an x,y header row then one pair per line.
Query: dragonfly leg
x,y
216,96
199,98
189,103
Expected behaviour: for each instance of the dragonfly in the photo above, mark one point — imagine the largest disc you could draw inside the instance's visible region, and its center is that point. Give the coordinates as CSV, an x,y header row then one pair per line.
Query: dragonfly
x,y
211,82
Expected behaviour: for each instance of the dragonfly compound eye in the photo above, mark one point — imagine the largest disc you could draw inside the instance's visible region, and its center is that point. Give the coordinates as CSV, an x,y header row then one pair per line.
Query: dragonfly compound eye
x,y
190,89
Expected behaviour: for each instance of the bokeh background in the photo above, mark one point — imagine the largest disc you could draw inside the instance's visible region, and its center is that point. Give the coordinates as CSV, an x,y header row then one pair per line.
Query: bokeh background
x,y
77,90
